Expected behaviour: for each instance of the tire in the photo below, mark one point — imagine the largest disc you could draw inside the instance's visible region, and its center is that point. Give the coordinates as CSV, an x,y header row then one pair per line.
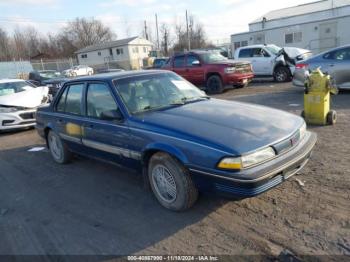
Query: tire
x,y
74,74
214,85
241,85
302,114
89,73
171,183
331,117
281,74
58,149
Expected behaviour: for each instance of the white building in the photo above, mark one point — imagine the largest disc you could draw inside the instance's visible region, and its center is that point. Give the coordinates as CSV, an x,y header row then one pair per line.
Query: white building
x,y
317,26
124,53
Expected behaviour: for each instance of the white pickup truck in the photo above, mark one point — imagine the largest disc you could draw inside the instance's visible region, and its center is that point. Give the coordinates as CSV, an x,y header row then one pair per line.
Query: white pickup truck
x,y
271,60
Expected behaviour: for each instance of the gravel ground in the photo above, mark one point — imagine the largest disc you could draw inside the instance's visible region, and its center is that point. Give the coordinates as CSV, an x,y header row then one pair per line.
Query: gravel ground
x,y
89,207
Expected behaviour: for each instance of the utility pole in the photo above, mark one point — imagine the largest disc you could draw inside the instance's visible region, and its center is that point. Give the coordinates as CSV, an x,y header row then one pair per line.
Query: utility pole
x,y
146,34
188,33
157,31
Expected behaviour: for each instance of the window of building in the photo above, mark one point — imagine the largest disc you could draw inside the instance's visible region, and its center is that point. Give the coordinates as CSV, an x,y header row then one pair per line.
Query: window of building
x,y
119,51
295,37
98,100
84,56
244,43
237,45
110,52
99,53
145,49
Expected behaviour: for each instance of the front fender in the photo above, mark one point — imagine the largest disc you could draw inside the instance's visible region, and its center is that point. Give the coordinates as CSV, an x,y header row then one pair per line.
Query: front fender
x,y
167,149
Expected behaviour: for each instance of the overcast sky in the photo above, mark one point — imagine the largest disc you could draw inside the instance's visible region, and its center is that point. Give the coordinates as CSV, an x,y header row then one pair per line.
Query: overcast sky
x,y
220,18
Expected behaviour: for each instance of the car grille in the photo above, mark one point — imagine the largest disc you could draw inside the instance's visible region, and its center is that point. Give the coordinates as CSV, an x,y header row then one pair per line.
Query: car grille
x,y
243,68
27,116
288,143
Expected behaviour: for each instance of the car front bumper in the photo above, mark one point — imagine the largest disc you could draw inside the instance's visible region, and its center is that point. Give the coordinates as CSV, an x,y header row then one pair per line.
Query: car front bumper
x,y
238,79
17,120
258,179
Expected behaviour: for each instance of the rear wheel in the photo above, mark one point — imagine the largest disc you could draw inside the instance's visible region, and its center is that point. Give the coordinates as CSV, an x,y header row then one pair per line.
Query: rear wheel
x,y
58,149
214,85
171,183
281,74
331,117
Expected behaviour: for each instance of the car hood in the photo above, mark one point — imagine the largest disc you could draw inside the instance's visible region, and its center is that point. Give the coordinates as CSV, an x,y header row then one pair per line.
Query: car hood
x,y
230,62
30,98
233,127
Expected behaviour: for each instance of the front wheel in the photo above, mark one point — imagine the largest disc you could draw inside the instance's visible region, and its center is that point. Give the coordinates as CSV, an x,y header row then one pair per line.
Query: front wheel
x,y
58,149
171,183
281,74
214,85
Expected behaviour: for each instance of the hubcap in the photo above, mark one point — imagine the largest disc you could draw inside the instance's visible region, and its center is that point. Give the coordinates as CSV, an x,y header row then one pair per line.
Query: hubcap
x,y
164,183
281,76
55,147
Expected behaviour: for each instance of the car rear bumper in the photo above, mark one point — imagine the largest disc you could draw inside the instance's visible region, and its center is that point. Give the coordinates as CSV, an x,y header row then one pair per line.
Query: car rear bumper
x,y
256,180
17,120
299,77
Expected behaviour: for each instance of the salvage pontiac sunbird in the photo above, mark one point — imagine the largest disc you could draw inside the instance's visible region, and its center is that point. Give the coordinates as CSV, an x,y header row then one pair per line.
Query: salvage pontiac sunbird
x,y
180,140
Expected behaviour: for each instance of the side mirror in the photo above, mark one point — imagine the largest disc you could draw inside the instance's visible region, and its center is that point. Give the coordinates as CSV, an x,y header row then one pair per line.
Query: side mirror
x,y
111,115
196,63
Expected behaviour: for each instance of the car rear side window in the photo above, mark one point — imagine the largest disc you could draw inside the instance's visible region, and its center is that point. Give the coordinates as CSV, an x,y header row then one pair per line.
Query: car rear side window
x,y
341,54
99,99
245,53
179,61
70,101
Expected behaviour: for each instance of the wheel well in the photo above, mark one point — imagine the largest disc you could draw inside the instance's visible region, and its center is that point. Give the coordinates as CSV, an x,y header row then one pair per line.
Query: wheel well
x,y
149,153
282,65
46,132
212,74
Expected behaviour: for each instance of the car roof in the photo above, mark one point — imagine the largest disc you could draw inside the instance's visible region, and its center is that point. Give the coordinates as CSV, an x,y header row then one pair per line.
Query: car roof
x,y
117,75
2,81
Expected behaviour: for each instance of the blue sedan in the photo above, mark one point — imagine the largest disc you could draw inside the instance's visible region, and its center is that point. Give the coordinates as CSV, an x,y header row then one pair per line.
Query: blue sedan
x,y
181,140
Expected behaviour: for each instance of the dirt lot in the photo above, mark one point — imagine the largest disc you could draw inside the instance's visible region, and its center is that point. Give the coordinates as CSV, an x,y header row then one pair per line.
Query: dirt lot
x,y
89,207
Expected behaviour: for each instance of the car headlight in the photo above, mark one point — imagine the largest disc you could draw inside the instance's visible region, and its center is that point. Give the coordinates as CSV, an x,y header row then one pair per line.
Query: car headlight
x,y
302,131
230,70
8,109
248,160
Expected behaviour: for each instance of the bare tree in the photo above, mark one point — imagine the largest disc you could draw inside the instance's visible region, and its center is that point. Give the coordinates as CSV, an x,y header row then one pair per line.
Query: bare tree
x,y
165,39
5,51
83,32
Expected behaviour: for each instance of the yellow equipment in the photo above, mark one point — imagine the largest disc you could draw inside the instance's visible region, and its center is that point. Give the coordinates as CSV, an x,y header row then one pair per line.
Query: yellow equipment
x,y
318,88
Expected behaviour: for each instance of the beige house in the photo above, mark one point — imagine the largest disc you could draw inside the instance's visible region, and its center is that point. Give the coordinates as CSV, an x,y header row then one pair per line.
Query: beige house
x,y
124,53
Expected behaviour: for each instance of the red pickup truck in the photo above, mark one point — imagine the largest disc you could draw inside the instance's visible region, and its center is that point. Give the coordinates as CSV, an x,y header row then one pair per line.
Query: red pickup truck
x,y
210,69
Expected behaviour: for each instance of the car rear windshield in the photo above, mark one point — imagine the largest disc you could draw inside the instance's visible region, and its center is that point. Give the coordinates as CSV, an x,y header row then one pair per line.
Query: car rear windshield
x,y
49,74
14,87
156,91
212,57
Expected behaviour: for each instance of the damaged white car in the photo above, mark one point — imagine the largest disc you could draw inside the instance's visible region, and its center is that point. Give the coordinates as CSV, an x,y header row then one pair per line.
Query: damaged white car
x,y
18,103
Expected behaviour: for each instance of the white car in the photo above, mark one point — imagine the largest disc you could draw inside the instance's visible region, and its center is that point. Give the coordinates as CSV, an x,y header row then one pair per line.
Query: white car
x,y
19,100
80,70
271,60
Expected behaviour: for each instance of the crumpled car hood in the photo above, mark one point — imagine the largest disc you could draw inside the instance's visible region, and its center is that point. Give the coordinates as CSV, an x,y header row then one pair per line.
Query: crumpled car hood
x,y
30,98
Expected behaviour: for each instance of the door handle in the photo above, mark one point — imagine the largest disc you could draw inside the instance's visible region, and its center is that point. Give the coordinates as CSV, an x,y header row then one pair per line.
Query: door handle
x,y
60,121
331,65
91,126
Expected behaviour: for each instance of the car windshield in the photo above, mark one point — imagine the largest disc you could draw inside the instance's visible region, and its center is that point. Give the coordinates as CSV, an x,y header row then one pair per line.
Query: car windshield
x,y
49,74
273,49
212,57
14,87
156,91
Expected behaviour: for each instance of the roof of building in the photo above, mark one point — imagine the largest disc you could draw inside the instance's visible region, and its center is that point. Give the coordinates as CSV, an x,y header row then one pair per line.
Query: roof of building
x,y
106,45
312,7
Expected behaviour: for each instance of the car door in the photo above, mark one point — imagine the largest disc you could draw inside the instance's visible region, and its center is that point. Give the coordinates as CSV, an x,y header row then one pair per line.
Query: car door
x,y
104,138
261,61
179,66
68,115
194,72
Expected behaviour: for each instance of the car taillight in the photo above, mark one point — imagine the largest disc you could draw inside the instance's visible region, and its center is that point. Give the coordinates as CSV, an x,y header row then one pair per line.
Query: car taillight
x,y
301,66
